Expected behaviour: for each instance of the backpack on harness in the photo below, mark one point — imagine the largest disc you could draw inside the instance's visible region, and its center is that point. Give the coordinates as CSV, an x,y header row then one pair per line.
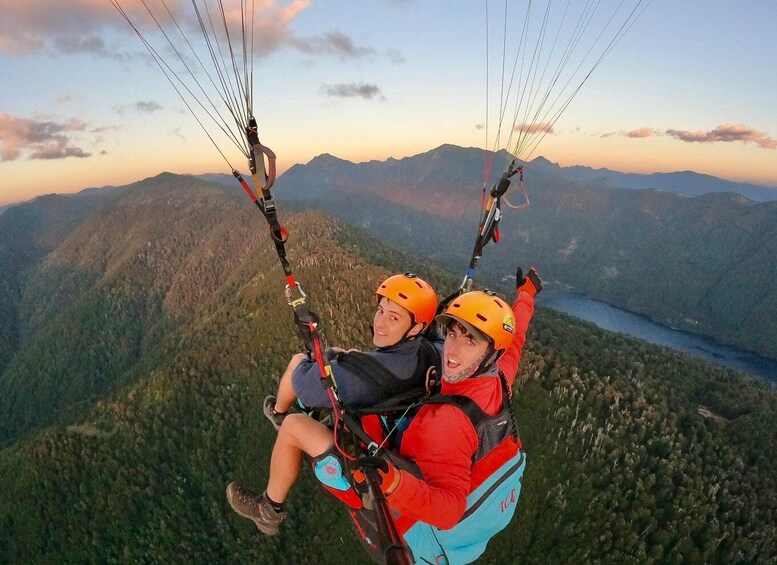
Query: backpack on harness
x,y
497,471
497,474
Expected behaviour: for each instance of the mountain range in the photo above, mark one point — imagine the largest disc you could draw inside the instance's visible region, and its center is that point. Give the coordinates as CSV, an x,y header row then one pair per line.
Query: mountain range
x,y
681,182
703,264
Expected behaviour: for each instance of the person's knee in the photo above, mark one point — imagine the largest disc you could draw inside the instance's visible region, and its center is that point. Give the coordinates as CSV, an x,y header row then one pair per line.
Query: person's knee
x,y
295,360
294,427
305,433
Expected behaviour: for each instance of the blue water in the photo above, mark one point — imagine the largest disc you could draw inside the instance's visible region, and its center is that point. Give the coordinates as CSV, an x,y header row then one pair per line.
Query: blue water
x,y
617,320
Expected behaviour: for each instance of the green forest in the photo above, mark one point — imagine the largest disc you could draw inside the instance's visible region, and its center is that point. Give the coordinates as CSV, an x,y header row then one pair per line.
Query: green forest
x,y
143,329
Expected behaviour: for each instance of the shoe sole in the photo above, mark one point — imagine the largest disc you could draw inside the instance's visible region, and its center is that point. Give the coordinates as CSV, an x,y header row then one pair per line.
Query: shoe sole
x,y
262,528
269,415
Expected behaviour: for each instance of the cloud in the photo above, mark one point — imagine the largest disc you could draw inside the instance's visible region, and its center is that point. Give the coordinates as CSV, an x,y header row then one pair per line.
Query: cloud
x,y
82,26
73,45
480,127
641,132
352,90
142,107
72,26
38,139
147,107
542,127
394,57
332,43
272,23
89,27
103,129
726,133
608,134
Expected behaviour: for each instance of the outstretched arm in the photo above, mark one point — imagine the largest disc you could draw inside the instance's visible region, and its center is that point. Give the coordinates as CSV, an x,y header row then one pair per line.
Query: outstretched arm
x,y
523,310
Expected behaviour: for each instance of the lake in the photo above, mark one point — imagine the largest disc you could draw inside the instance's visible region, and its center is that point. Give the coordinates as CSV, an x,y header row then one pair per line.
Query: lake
x,y
617,320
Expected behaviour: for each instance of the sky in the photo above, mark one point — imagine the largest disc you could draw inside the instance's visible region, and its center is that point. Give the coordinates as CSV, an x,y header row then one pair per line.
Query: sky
x,y
689,86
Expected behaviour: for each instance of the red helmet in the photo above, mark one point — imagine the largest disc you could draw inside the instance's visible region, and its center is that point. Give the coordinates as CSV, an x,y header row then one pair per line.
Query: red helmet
x,y
412,293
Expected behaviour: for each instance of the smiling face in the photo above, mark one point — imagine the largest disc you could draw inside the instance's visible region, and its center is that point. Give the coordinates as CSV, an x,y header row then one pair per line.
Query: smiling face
x,y
391,323
462,352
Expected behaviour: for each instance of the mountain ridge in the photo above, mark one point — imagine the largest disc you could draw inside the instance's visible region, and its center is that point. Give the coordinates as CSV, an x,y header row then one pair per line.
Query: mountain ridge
x,y
600,240
683,182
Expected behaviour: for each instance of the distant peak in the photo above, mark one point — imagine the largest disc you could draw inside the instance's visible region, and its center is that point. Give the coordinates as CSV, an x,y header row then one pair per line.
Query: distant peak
x,y
326,158
543,161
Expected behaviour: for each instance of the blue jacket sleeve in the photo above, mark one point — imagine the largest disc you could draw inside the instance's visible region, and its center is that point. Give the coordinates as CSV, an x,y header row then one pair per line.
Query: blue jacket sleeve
x,y
306,381
354,391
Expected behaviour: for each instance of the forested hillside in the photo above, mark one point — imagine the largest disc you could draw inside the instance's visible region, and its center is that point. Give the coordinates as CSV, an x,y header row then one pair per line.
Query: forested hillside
x,y
635,454
29,232
703,264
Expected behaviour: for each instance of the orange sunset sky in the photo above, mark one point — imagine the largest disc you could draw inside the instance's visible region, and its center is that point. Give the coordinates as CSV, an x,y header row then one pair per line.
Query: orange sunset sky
x,y
690,86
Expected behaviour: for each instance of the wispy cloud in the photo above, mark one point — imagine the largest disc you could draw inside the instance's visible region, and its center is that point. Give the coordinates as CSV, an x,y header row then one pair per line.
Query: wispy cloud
x,y
73,45
726,133
142,107
641,132
147,107
540,127
394,56
352,90
104,129
332,43
38,139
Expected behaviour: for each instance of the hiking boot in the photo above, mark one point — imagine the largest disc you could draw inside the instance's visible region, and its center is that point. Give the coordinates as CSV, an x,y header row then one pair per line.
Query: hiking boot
x,y
256,508
276,418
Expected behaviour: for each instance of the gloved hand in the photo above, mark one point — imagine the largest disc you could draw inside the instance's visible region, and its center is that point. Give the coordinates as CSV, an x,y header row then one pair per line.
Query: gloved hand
x,y
531,283
387,473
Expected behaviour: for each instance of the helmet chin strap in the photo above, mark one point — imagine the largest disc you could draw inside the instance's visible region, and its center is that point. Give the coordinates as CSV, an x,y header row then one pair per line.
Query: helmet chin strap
x,y
488,358
466,372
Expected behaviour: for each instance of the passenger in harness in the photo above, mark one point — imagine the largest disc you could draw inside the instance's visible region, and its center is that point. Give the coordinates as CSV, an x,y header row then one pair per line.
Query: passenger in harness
x,y
467,459
406,307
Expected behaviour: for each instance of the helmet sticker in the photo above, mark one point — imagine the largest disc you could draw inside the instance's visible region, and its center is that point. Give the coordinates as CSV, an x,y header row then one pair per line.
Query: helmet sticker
x,y
509,323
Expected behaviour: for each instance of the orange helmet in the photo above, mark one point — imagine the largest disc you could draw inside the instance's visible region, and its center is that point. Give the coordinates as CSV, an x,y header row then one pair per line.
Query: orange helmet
x,y
485,312
413,294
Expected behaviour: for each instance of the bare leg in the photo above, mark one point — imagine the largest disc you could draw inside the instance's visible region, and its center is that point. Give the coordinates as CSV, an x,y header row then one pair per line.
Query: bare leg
x,y
299,434
286,397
